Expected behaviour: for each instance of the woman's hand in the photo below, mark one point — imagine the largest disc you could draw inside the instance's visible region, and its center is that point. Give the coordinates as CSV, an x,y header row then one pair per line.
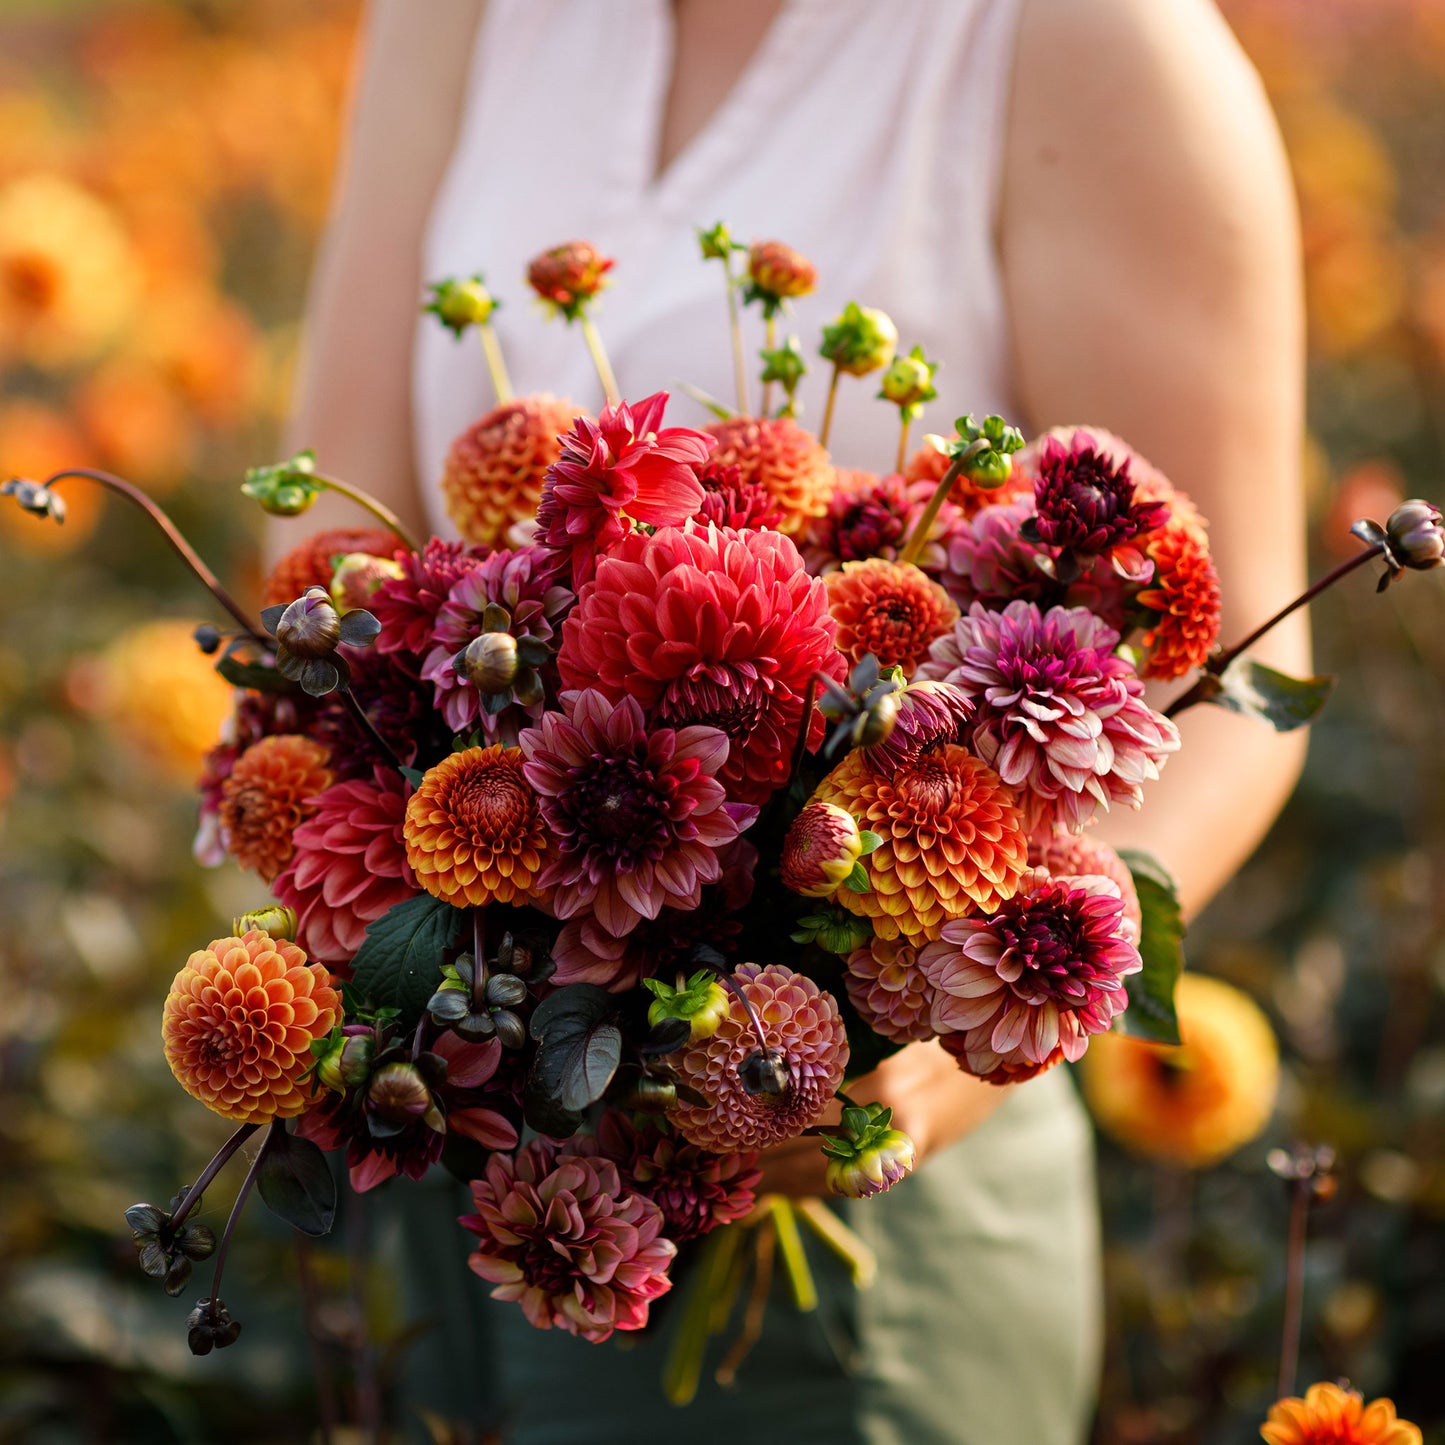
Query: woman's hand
x,y
933,1101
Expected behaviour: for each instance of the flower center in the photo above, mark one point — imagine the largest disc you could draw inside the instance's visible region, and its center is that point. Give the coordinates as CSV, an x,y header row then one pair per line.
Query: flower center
x,y
31,281
489,806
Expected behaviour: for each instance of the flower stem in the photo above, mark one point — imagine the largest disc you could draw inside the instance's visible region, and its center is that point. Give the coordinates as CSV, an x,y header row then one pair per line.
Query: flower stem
x,y
382,513
861,1261
1294,1286
764,1246
368,1388
599,359
172,535
369,728
805,726
740,370
902,447
496,366
794,1257
828,406
236,1208
770,333
935,503
218,1162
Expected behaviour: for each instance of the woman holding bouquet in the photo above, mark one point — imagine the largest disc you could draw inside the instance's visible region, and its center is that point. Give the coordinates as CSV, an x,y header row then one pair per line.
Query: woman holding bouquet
x,y
1081,209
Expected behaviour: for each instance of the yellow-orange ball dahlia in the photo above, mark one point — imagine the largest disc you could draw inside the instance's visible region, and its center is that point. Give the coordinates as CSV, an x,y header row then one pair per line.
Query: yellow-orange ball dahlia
x,y
1185,594
953,840
270,791
787,462
1329,1415
239,1022
311,563
474,832
891,609
1194,1104
494,470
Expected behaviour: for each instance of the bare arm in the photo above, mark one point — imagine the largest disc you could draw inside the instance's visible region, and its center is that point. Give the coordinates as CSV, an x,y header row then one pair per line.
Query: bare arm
x,y
352,401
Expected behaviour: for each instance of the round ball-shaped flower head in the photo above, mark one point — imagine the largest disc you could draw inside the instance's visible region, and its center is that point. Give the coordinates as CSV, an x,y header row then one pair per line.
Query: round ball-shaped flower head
x,y
953,840
1329,1415
271,790
1185,594
474,832
927,465
1197,1103
1416,536
494,469
1040,975
890,609
1076,855
722,629
889,991
349,865
239,1023
802,1024
788,462
695,1189
778,272
312,563
1059,716
407,606
569,275
562,1236
820,849
635,814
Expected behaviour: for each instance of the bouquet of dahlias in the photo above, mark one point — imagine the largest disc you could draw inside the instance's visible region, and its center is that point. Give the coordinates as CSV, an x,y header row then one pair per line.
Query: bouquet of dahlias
x,y
610,841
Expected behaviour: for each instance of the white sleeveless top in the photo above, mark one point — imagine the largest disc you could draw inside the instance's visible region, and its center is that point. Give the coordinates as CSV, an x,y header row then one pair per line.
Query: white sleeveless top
x,y
865,133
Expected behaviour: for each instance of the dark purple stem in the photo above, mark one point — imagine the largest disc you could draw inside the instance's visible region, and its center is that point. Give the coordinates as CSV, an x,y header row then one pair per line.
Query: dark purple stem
x,y
369,727
218,1162
730,983
805,726
236,1209
1294,1286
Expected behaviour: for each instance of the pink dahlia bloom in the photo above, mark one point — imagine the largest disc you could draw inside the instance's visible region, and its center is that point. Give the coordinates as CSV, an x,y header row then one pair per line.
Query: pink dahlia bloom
x,y
407,606
636,815
728,501
930,715
1058,716
349,865
889,990
1075,855
622,466
561,1235
1034,979
871,516
708,626
696,1190
802,1025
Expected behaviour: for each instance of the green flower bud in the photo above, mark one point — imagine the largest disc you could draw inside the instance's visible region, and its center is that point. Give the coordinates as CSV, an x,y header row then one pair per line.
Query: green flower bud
x,y
460,302
285,489
860,340
357,575
869,1155
702,1001
908,383
716,242
274,919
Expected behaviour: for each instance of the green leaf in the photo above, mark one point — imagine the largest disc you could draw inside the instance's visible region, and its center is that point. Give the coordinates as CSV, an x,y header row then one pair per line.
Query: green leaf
x,y
1151,1013
296,1183
254,675
868,841
413,775
400,963
1284,702
579,1047
858,881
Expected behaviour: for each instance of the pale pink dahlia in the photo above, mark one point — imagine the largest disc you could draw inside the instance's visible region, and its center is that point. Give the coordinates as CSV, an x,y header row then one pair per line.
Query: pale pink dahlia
x,y
349,865
801,1024
617,468
561,1235
1059,717
1033,979
1075,855
636,815
407,606
887,987
708,626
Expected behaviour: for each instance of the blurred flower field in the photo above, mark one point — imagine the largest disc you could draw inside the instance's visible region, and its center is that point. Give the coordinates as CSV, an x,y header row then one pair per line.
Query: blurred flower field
x,y
163,175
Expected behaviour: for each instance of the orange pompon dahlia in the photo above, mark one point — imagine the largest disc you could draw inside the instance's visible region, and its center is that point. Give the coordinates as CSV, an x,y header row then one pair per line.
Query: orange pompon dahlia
x,y
1185,594
788,462
953,840
271,790
474,832
928,464
1329,1415
239,1023
494,470
312,563
891,609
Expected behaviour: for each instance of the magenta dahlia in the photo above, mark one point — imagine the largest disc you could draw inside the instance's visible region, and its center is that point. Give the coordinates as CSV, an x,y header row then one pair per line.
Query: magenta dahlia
x,y
407,606
713,627
636,814
872,516
802,1033
614,471
695,1189
1077,855
349,865
1034,979
560,1234
728,501
887,987
929,715
1059,716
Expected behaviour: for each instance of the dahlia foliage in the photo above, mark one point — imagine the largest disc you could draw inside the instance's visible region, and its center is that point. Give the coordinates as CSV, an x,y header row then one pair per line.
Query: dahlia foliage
x,y
694,779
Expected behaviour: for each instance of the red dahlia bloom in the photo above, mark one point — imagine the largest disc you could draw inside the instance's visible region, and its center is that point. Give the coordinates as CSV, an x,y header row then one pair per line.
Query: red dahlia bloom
x,y
728,501
713,627
407,606
636,815
614,471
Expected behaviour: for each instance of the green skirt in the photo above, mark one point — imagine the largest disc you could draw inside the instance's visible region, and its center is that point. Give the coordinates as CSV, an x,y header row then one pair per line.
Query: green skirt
x,y
982,1327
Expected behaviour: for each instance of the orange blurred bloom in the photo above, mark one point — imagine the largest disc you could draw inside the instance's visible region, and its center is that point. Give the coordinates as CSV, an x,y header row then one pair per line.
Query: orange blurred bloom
x,y
890,609
239,1022
208,348
136,423
1329,1415
270,791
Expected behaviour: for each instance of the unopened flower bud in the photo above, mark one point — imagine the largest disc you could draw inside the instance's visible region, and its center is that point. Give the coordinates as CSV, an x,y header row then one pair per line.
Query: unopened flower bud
x,y
765,1072
398,1094
870,1155
862,339
1415,535
569,276
284,489
702,1001
511,1031
347,1060
820,850
461,302
208,638
277,921
908,382
310,626
777,272
651,1096
489,662
357,576
211,1327
876,722
505,990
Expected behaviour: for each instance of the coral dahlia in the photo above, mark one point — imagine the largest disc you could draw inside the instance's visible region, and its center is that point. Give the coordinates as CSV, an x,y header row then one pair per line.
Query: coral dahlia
x,y
728,501
719,628
239,1022
407,606
1185,595
889,609
1059,715
271,789
953,839
1329,1415
494,469
349,865
560,1234
787,461
311,563
635,815
1034,978
802,1025
889,990
474,832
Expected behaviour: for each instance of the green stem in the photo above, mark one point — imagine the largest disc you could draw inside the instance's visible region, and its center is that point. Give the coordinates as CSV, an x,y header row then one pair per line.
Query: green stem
x,y
770,333
735,324
902,447
828,407
599,359
496,366
793,1255
381,512
940,495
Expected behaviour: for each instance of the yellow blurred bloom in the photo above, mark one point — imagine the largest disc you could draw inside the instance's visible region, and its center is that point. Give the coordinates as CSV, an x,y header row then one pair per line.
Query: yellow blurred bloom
x,y
1329,1415
1194,1104
68,276
36,441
